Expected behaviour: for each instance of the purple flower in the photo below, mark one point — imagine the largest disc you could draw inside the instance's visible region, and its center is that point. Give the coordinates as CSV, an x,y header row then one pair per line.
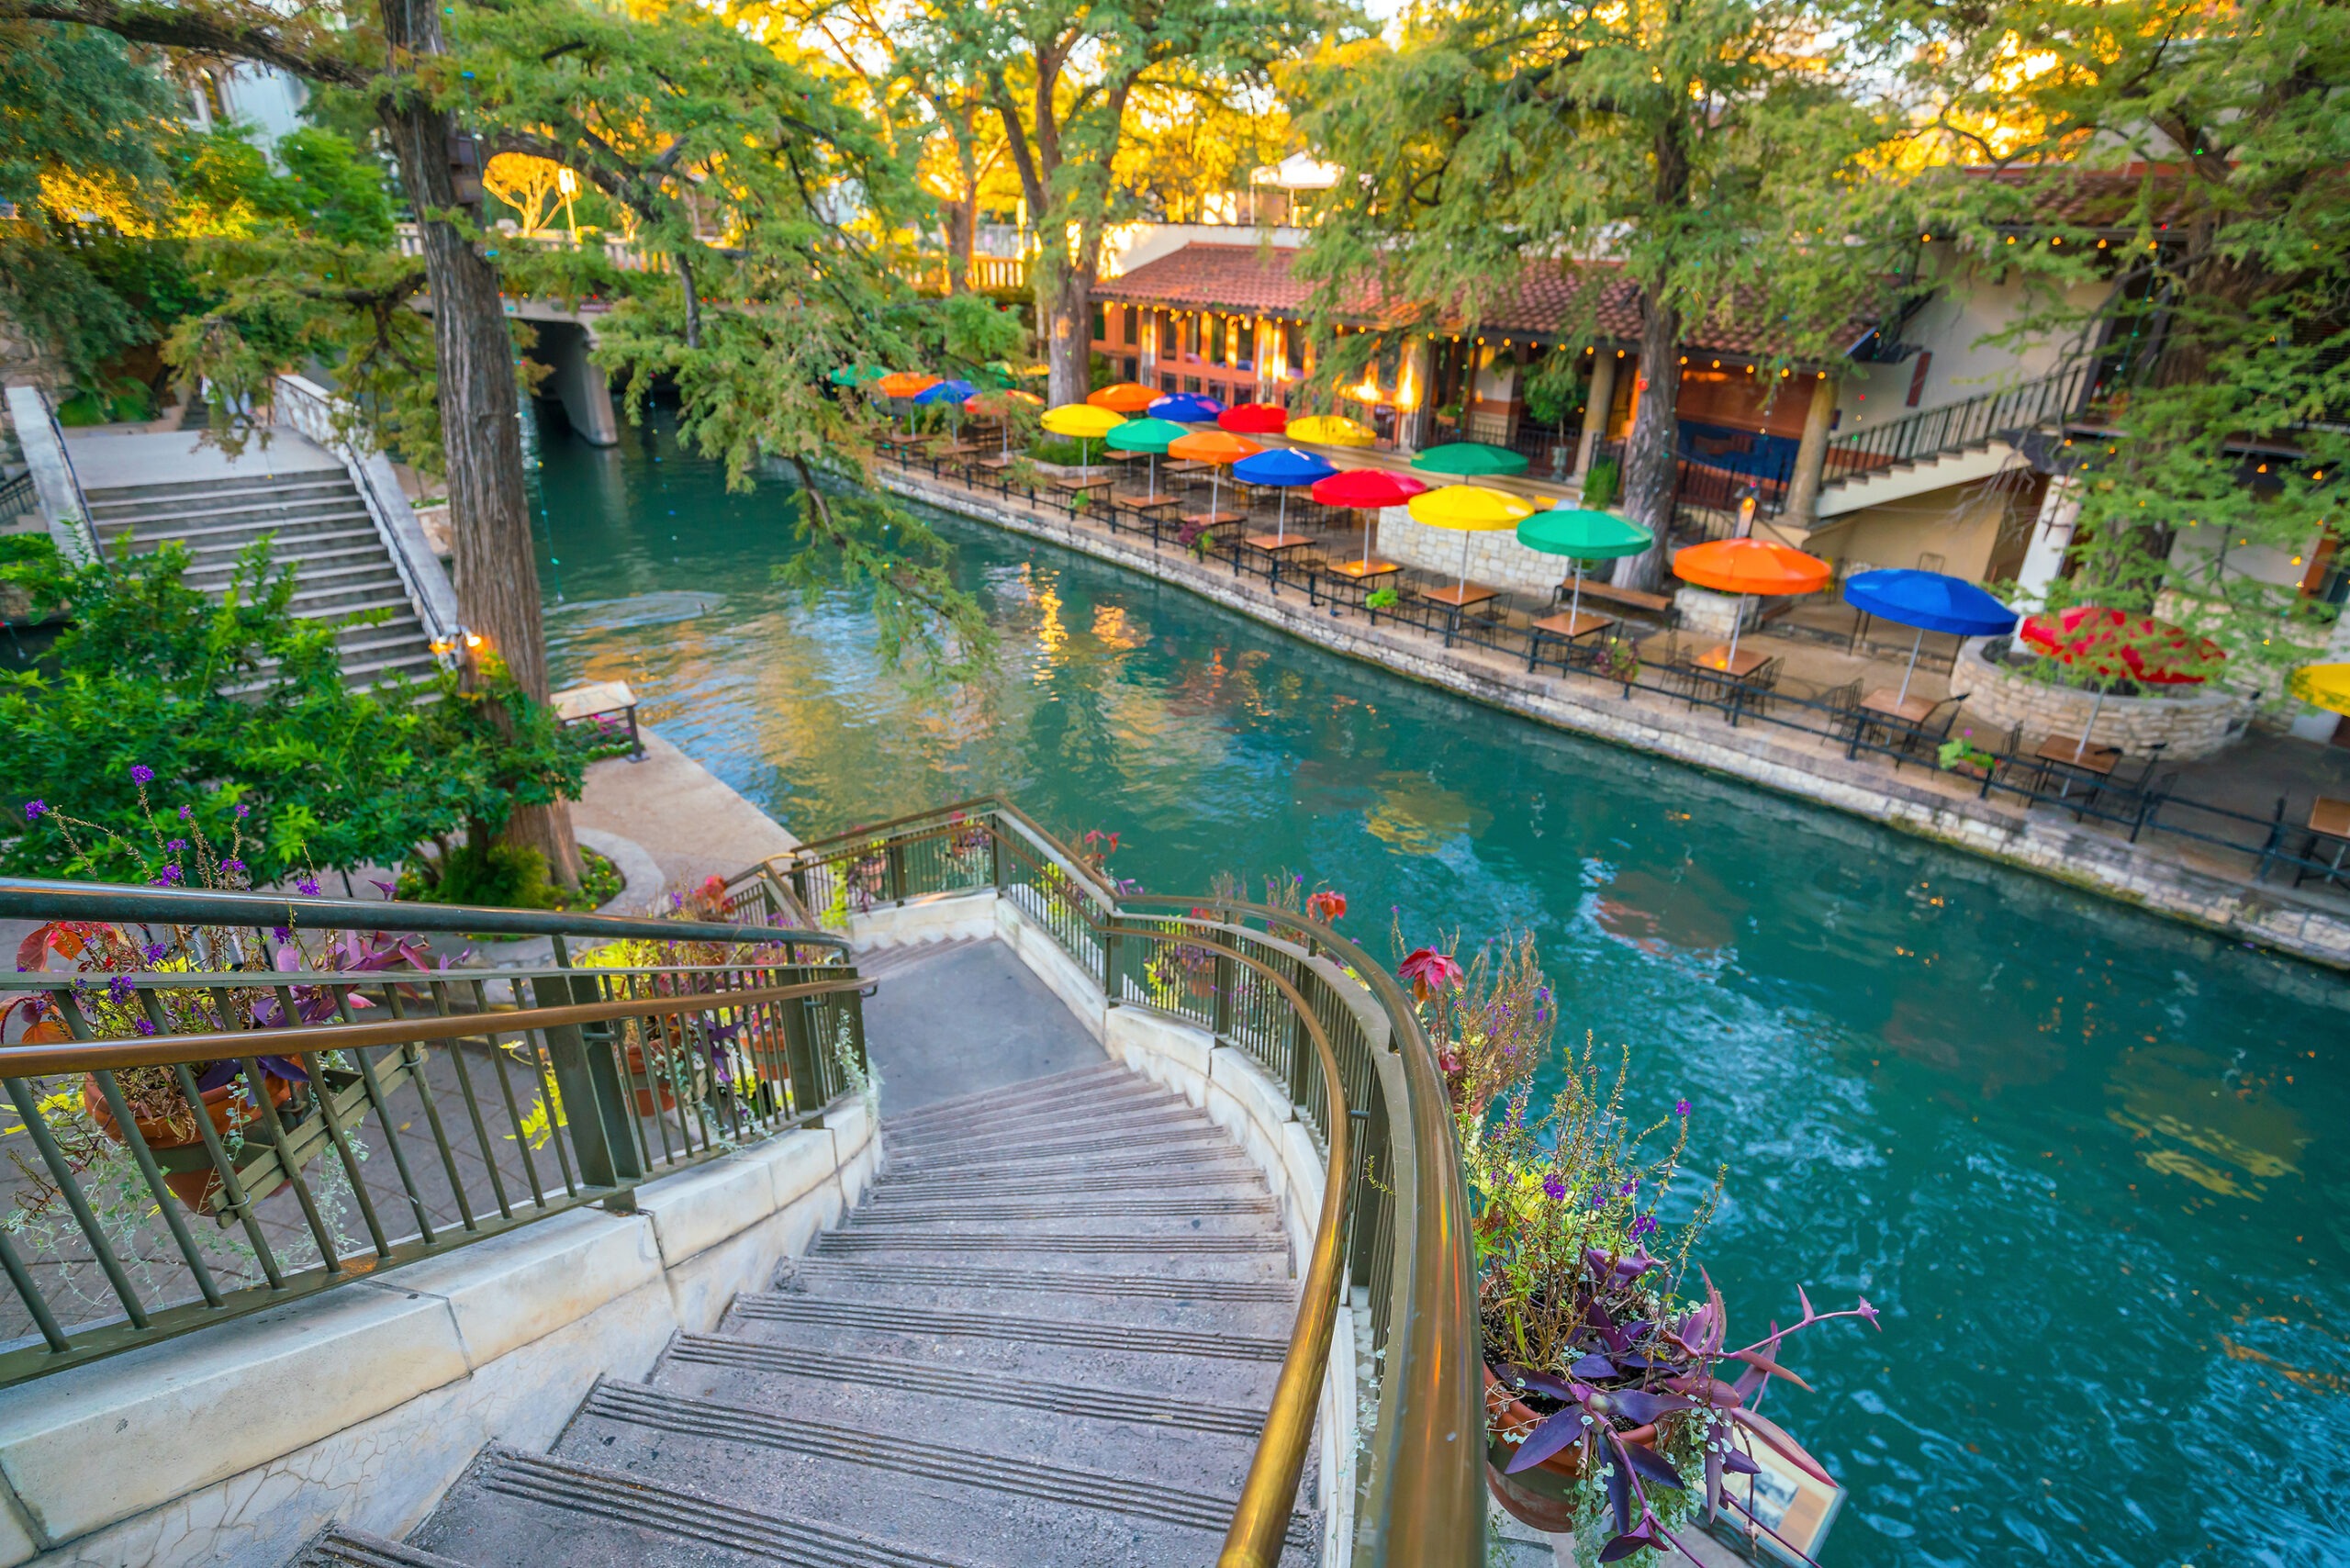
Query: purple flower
x,y
141,774
1628,1188
154,951
244,811
1681,1107
1642,1225
119,988
1598,1198
185,812
170,876
232,866
36,809
144,1025
279,931
308,887
175,844
1555,1189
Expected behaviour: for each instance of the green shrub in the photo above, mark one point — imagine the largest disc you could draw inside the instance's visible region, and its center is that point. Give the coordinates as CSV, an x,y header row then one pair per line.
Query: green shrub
x,y
1068,453
1599,484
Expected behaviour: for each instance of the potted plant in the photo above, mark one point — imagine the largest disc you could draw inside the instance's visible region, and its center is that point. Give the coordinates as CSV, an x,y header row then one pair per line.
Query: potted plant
x,y
1610,1413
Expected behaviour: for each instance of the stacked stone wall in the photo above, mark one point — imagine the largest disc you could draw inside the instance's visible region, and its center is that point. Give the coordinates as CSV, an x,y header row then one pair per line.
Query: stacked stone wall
x,y
2198,723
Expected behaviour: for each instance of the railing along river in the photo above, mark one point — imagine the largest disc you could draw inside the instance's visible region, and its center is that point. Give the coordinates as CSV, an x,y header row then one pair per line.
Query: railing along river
x,y
1333,1029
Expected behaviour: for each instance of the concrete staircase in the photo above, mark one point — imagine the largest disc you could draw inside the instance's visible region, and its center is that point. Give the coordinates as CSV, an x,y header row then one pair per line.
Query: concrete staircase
x,y
317,523
1048,1336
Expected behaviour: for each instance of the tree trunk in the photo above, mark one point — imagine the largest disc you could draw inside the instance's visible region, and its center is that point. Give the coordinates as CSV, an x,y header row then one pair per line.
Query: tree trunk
x,y
1062,296
962,239
497,570
1651,463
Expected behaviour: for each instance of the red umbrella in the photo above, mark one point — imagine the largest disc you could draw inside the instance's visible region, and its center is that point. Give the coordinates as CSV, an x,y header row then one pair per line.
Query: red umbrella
x,y
1366,489
2116,644
1255,419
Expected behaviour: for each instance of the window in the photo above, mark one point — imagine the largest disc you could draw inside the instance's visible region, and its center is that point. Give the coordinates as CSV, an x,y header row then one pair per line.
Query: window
x,y
1166,381
1192,383
1132,368
1100,325
1171,338
1245,354
1215,340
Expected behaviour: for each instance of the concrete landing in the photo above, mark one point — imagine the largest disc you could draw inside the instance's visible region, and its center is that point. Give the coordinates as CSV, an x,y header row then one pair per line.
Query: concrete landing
x,y
964,1020
690,823
108,460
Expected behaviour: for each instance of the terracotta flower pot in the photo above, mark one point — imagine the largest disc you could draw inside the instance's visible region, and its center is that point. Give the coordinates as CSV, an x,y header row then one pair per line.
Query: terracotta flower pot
x,y
659,1085
1536,1496
230,1111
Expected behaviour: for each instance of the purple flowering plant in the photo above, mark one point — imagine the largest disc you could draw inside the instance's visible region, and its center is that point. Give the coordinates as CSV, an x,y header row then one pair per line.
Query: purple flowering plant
x,y
1618,1398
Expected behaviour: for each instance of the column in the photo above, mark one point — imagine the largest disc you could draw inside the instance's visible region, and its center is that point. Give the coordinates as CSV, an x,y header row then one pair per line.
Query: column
x,y
1811,456
580,383
1412,379
2052,535
1600,398
1143,323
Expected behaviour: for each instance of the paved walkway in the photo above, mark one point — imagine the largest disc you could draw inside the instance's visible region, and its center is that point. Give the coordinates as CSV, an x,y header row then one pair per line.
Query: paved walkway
x,y
689,822
110,458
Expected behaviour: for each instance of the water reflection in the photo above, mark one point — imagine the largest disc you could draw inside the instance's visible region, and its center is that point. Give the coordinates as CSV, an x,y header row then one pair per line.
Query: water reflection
x,y
2090,1164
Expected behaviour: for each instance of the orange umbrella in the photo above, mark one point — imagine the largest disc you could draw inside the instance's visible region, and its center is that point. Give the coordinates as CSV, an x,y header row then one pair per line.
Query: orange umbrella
x,y
1218,447
905,383
1126,397
1745,566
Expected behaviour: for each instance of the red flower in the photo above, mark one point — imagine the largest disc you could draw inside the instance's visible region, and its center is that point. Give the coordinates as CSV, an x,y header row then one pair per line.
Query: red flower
x,y
1326,906
1430,972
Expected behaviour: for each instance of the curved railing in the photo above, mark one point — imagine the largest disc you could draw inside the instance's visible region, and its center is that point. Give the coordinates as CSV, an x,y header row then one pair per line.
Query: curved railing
x,y
1323,1020
407,1107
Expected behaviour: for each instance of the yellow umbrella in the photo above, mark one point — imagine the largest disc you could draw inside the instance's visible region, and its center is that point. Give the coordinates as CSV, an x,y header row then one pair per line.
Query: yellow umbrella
x,y
1082,422
2327,686
1470,509
1331,429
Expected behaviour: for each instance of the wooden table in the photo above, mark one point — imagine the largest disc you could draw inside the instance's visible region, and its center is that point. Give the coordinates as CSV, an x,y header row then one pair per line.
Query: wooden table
x,y
2328,819
1360,570
995,464
1631,599
1461,596
1213,518
2092,759
1137,502
1275,543
1738,667
1893,705
1571,624
1065,483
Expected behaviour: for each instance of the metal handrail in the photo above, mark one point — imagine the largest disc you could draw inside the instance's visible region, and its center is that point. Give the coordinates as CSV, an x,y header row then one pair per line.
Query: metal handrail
x,y
471,1081
1954,427
1425,1500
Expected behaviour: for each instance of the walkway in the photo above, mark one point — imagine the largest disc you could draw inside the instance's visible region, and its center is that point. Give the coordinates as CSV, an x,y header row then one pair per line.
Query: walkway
x,y
1796,741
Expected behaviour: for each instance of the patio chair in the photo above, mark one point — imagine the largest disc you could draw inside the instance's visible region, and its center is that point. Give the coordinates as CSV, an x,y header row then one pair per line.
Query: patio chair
x,y
1924,740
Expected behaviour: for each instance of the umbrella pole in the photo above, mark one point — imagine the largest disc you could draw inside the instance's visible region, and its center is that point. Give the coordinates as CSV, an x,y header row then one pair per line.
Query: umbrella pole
x,y
1215,477
1574,607
1917,642
1462,591
1150,460
1737,624
1281,524
2094,708
1366,540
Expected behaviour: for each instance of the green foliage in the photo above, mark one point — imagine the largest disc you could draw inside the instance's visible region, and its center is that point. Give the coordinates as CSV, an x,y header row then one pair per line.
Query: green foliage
x,y
1599,483
1064,452
240,708
342,193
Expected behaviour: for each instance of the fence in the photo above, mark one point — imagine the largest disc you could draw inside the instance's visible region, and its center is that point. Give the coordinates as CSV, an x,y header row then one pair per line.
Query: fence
x,y
226,1101
1355,1065
1955,427
2132,804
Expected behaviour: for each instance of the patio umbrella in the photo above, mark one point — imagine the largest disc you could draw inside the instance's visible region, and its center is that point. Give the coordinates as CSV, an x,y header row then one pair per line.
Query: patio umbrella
x,y
1150,436
905,384
856,376
1745,566
1254,419
1470,459
1189,408
1331,429
1080,422
1003,405
2327,685
1219,447
1931,601
1126,397
1586,536
2117,645
1469,509
1366,491
952,394
1285,468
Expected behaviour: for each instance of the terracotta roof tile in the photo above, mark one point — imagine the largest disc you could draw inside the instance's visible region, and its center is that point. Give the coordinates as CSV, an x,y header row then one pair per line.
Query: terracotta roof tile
x,y
1206,276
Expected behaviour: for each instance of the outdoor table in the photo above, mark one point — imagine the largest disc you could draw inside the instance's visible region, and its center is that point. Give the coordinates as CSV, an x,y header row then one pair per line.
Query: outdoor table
x,y
995,465
1275,543
2331,819
1891,705
600,701
1213,518
1737,666
1360,570
1066,482
2097,759
1461,596
1573,625
1137,501
1188,465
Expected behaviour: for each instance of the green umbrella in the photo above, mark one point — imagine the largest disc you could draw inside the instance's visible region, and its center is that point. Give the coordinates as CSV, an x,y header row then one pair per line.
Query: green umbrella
x,y
1586,536
860,375
1151,436
1470,459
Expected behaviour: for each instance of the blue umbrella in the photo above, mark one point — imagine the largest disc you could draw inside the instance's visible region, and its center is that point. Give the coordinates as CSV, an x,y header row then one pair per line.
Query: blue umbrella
x,y
1931,602
1186,408
1285,468
952,394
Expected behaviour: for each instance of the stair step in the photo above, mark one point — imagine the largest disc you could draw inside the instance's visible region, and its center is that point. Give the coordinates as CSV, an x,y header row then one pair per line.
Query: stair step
x,y
1104,1112
207,552
1144,1340
1197,1210
1062,1419
859,1273
894,1188
120,495
340,1547
1052,1086
517,1509
1123,1148
1055,1514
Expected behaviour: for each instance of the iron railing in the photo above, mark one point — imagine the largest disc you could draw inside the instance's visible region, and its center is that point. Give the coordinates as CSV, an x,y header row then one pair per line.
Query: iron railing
x,y
1327,1023
360,1105
1955,427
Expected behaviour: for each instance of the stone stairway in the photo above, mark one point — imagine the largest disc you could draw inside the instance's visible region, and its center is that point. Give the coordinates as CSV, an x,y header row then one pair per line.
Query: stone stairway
x,y
317,523
1048,1336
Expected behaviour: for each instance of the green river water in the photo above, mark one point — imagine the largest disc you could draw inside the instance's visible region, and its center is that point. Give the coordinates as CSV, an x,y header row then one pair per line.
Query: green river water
x,y
2077,1154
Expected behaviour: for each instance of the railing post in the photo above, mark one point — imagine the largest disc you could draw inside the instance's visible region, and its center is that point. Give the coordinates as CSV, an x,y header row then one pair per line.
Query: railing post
x,y
800,1059
595,1100
1220,1001
1110,953
894,863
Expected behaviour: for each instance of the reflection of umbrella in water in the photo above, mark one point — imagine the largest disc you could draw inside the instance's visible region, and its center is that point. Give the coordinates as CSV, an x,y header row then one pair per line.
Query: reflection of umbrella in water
x,y
2115,644
1931,601
1686,913
1366,490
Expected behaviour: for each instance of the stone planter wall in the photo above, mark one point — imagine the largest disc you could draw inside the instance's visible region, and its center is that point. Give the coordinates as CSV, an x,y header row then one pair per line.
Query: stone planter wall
x,y
1704,613
1495,559
2198,723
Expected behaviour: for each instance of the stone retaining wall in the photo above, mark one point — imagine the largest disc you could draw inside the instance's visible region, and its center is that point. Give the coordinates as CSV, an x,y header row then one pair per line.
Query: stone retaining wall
x,y
236,1444
2052,845
2196,722
1495,558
